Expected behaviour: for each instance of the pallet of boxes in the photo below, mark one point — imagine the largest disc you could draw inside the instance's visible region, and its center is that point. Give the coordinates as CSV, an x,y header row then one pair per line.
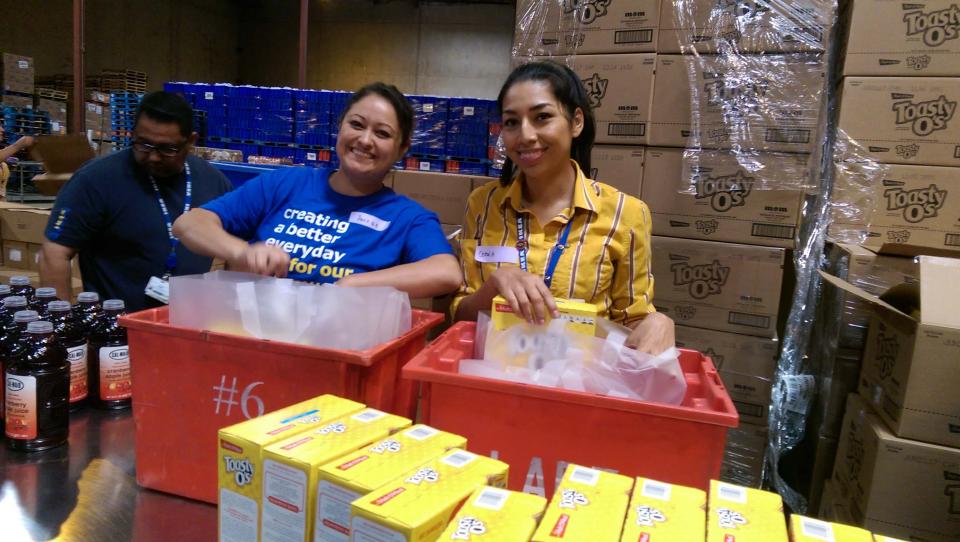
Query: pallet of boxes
x,y
896,197
21,235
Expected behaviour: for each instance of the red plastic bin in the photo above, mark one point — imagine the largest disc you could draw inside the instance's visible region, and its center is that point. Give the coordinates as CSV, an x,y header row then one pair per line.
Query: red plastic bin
x,y
538,430
188,383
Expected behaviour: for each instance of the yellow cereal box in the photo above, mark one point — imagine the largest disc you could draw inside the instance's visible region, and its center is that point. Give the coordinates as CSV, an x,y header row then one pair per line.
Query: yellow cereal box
x,y
804,529
740,514
240,459
581,317
417,507
496,515
588,506
881,538
665,512
291,468
357,474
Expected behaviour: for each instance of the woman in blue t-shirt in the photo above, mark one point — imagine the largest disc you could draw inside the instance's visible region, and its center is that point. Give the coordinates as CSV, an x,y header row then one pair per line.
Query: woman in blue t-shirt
x,y
341,225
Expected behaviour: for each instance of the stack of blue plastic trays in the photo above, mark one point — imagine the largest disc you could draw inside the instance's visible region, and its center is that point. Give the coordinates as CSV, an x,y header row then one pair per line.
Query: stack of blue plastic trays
x,y
123,116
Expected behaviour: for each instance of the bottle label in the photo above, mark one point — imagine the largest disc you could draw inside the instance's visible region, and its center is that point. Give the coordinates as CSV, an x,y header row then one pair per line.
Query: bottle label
x,y
115,382
77,356
21,409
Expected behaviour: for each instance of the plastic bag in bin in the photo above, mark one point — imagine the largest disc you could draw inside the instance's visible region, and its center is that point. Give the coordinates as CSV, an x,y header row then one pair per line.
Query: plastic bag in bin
x,y
553,356
324,316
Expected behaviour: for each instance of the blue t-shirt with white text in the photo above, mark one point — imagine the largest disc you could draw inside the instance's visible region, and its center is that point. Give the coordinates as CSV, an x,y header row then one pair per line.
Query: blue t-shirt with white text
x,y
329,235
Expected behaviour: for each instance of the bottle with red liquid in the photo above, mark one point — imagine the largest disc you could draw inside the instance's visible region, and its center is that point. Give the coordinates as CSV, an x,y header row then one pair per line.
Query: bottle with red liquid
x,y
67,330
41,297
38,390
20,285
87,310
5,291
13,321
110,386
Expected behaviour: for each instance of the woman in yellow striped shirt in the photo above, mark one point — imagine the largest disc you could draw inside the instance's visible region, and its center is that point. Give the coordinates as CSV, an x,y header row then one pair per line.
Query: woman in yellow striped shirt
x,y
546,230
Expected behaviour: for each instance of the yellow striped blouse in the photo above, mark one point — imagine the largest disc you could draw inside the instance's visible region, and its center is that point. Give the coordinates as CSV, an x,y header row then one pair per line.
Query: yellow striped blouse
x,y
607,257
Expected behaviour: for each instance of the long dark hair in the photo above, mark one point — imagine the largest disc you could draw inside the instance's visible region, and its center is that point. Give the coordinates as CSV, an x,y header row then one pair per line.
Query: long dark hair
x,y
390,93
569,91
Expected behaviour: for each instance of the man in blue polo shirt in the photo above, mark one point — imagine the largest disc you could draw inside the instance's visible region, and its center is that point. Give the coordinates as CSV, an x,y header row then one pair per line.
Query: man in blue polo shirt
x,y
117,211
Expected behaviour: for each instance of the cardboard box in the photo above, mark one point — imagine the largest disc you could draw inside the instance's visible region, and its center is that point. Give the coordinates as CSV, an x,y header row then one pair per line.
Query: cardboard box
x,y
61,156
909,365
720,286
588,506
745,27
555,28
712,195
746,365
620,166
442,193
496,514
17,74
660,511
23,223
744,455
743,514
758,102
357,474
806,529
903,120
906,210
896,486
620,89
291,469
888,37
17,255
16,100
240,462
58,114
418,506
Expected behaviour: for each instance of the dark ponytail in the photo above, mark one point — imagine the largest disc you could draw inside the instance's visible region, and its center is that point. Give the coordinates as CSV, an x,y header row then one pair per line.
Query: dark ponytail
x,y
569,91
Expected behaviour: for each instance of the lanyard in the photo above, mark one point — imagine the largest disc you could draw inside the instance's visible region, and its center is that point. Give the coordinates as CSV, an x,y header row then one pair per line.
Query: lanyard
x,y
187,198
522,246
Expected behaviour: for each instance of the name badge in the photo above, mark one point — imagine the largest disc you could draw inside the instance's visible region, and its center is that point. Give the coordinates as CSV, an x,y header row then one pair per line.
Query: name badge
x,y
369,221
158,289
497,255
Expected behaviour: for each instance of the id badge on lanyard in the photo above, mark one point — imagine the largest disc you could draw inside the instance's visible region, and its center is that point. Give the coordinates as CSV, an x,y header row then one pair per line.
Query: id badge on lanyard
x,y
159,287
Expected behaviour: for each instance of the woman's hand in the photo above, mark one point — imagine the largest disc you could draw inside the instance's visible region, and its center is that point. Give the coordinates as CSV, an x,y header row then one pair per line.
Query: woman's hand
x,y
652,335
261,259
525,292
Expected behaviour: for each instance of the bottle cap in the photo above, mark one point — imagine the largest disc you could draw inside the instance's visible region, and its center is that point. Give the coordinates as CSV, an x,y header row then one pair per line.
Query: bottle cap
x,y
40,326
113,305
87,297
19,280
15,301
25,316
58,306
46,291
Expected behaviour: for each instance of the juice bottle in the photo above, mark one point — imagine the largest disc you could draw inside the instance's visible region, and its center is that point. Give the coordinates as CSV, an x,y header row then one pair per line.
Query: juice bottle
x,y
20,285
87,310
10,306
41,297
4,291
109,360
13,326
68,332
38,389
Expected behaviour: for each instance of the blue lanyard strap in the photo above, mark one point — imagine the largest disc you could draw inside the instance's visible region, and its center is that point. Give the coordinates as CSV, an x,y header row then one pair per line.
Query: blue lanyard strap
x,y
523,245
168,220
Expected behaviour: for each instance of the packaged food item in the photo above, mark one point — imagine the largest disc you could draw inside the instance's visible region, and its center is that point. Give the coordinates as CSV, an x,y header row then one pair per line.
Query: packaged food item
x,y
665,512
581,317
357,474
38,390
291,467
240,459
741,514
41,297
20,285
804,529
588,506
417,507
497,515
68,332
111,385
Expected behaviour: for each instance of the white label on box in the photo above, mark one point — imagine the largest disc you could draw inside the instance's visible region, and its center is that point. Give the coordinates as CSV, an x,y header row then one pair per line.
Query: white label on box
x,y
333,512
207,95
656,490
800,390
365,530
23,64
428,108
284,503
491,498
459,458
425,166
55,126
732,493
238,517
421,433
14,255
583,475
817,529
312,156
468,111
368,415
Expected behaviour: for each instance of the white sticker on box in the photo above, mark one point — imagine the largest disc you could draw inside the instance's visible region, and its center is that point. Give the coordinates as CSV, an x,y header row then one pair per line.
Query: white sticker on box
x,y
368,415
732,493
333,512
813,528
428,108
14,255
468,111
312,156
583,475
425,166
656,490
238,517
207,95
23,64
365,530
284,503
55,126
491,498
421,433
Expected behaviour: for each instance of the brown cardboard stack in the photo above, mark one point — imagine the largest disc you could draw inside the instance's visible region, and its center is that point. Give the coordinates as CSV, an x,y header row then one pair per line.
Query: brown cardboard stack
x,y
16,80
98,122
22,233
54,102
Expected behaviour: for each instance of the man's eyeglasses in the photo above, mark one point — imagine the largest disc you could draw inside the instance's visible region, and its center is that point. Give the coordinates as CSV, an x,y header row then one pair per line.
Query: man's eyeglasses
x,y
168,151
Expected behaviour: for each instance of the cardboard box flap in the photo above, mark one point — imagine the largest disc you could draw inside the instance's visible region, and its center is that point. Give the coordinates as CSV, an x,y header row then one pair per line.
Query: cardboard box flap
x,y
939,291
860,293
63,154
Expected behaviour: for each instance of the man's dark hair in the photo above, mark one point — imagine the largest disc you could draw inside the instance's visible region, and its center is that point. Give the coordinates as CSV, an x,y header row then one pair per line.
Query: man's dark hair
x,y
166,107
390,93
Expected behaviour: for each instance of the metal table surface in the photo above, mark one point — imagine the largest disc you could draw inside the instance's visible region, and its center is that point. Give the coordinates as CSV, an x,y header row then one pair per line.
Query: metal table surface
x,y
86,491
